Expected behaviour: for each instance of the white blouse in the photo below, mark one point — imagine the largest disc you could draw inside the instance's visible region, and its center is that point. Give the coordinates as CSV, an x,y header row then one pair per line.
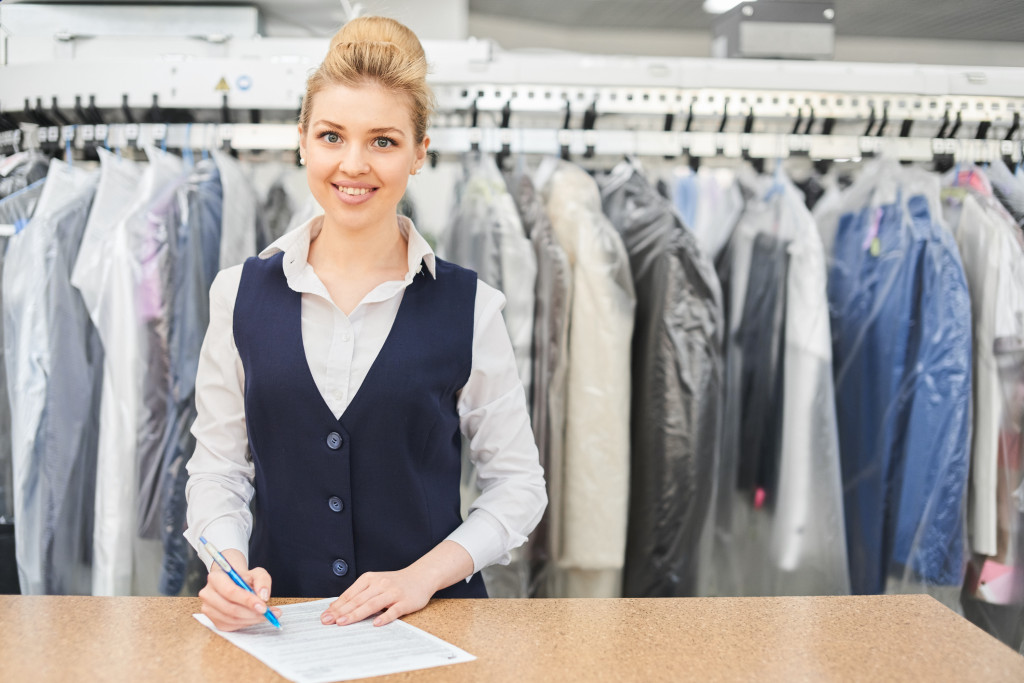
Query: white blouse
x,y
340,350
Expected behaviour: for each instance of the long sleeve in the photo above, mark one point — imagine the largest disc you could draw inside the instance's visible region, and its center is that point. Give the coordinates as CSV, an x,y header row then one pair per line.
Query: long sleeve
x,y
494,418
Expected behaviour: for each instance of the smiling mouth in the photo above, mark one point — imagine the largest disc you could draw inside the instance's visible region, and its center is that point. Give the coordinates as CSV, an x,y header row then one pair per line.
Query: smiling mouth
x,y
355,191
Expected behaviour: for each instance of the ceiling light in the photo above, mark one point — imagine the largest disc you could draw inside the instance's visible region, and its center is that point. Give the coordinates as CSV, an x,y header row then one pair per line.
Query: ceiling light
x,y
721,6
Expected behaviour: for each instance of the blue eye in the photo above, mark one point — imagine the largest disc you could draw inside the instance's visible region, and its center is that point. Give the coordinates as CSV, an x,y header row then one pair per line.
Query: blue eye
x,y
383,142
330,136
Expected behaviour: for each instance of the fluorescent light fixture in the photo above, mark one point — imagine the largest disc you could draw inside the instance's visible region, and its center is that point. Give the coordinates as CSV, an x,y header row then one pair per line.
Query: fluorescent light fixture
x,y
721,6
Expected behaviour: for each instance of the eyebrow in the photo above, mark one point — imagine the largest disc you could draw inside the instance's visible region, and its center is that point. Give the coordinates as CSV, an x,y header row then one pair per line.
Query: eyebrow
x,y
373,131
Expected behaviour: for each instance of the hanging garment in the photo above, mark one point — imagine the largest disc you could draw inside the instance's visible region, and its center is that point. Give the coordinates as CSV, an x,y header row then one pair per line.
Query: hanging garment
x,y
710,202
487,231
20,170
146,238
550,368
676,391
761,341
277,213
596,468
15,211
984,234
487,235
901,330
239,229
785,534
1008,188
152,229
195,259
54,363
103,275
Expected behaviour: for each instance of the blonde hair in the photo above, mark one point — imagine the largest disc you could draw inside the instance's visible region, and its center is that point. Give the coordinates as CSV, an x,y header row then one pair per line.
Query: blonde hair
x,y
380,50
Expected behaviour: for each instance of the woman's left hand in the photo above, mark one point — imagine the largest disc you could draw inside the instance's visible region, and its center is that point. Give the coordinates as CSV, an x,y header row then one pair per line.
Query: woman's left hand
x,y
398,593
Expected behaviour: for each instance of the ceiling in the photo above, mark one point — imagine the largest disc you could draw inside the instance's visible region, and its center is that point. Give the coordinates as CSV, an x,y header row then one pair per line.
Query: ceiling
x,y
1001,20
998,20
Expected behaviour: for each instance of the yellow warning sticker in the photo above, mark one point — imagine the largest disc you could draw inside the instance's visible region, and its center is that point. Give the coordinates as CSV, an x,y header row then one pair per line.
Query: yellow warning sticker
x,y
222,85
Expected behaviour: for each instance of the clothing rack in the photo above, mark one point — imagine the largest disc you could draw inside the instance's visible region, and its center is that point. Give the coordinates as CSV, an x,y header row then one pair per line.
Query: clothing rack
x,y
459,139
534,103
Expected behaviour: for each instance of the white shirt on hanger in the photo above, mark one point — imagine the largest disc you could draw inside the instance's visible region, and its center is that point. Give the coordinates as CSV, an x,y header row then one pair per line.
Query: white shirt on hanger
x,y
339,351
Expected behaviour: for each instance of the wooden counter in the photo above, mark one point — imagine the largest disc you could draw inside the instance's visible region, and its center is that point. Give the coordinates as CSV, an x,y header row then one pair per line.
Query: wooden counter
x,y
909,637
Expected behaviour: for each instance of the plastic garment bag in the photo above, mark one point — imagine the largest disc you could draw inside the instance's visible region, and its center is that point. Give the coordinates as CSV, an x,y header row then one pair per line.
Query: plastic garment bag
x,y
54,362
20,170
151,228
1008,188
550,367
486,235
901,329
596,463
195,258
238,232
103,275
993,257
990,252
710,202
15,211
780,527
676,392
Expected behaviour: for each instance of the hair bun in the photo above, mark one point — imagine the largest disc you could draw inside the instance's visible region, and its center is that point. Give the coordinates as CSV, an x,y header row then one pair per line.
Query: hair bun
x,y
380,30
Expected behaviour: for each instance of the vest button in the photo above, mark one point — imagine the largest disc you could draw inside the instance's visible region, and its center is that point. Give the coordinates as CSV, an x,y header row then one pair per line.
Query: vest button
x,y
334,441
340,567
336,503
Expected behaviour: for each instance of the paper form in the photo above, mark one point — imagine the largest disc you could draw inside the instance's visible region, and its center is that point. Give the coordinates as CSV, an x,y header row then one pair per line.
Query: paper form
x,y
306,651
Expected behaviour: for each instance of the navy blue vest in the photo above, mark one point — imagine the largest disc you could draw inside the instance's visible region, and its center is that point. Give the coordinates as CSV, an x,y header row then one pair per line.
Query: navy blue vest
x,y
377,489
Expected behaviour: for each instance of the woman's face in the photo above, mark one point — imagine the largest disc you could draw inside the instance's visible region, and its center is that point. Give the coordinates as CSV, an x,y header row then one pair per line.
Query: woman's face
x,y
360,150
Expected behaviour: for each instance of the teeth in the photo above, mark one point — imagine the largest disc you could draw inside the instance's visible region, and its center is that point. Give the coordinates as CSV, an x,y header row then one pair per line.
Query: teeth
x,y
354,190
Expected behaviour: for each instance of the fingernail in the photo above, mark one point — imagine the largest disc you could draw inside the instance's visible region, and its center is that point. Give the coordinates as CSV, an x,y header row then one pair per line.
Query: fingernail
x,y
342,620
260,607
378,621
264,593
327,618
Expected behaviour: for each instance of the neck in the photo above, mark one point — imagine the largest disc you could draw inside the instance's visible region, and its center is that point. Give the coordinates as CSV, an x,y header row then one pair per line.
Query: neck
x,y
358,251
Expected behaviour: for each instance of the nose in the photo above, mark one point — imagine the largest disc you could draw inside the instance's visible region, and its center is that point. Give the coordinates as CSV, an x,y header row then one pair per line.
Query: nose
x,y
353,161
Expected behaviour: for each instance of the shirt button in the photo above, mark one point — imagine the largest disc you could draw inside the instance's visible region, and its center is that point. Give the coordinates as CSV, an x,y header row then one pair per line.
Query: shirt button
x,y
340,567
334,441
346,337
336,503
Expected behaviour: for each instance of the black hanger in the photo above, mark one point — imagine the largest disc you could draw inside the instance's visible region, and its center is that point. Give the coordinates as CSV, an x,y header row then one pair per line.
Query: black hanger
x,y
589,121
564,151
1014,127
473,116
748,126
810,122
871,122
670,120
506,149
885,121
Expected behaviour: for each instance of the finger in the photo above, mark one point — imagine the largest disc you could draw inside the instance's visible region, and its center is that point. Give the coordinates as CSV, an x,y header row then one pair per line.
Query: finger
x,y
260,581
230,599
224,614
371,606
390,614
341,605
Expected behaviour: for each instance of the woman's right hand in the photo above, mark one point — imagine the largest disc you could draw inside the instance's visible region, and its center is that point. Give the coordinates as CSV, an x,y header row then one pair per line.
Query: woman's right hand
x,y
231,607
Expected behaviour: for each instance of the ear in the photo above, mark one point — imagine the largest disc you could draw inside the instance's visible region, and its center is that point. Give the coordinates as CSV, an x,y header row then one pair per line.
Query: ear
x,y
421,154
302,141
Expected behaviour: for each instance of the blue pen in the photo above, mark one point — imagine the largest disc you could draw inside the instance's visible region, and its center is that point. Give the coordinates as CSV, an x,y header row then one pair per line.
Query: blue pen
x,y
230,571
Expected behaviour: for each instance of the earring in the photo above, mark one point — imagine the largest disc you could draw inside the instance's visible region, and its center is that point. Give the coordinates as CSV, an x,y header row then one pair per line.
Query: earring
x,y
302,161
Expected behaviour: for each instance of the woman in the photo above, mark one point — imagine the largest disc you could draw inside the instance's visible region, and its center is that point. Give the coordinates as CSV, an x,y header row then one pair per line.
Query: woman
x,y
340,367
